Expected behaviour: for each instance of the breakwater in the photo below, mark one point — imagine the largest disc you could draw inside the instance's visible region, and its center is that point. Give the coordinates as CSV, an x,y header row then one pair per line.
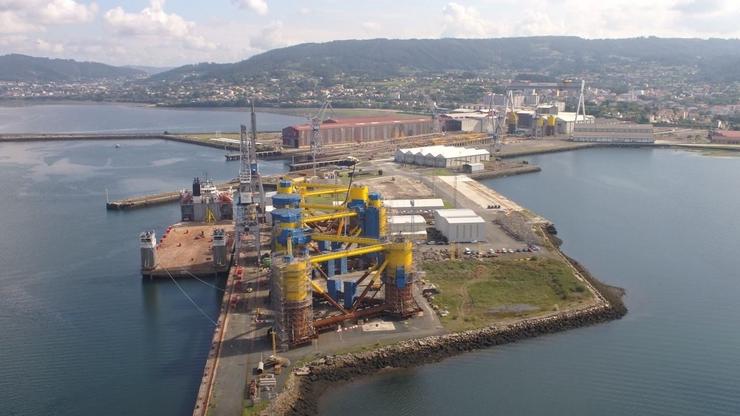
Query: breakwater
x,y
511,171
109,136
300,395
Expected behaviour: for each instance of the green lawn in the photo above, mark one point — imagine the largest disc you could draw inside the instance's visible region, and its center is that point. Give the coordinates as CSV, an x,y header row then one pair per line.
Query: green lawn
x,y
478,293
255,410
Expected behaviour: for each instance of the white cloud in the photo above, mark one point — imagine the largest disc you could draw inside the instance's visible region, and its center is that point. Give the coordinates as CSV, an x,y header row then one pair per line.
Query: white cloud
x,y
154,22
67,11
539,23
463,22
19,16
270,37
371,26
304,11
11,22
258,6
49,47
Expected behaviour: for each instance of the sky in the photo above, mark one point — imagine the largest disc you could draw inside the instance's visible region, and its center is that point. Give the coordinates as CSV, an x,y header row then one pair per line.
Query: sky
x,y
178,32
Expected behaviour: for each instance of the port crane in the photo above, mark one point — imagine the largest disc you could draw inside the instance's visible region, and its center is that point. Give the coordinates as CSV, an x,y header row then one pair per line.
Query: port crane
x,y
250,199
316,121
434,110
501,119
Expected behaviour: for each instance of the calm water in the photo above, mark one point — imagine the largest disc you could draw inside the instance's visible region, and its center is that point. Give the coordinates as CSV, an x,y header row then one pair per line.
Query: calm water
x,y
81,333
662,224
131,118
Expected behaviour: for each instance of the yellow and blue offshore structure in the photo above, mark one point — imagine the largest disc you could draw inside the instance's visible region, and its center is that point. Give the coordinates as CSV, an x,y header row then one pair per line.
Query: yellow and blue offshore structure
x,y
309,235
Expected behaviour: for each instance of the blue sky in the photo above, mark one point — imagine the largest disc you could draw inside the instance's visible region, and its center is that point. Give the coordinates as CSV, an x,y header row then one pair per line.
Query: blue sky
x,y
176,32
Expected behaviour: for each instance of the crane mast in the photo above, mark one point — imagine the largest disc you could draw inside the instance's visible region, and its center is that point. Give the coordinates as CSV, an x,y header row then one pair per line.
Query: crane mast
x,y
316,121
499,131
251,194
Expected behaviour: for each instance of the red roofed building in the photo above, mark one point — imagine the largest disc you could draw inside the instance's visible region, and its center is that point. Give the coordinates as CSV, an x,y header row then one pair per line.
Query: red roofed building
x,y
725,136
358,130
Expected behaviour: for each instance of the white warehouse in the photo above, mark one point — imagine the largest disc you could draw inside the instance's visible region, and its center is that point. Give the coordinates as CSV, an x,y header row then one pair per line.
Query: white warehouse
x,y
460,225
441,156
413,226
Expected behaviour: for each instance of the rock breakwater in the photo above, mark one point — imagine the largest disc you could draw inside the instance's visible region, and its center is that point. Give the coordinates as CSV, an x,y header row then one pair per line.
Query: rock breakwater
x,y
300,396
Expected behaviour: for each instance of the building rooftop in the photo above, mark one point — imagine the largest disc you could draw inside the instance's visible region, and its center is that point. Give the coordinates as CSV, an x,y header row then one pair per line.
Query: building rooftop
x,y
569,117
446,152
456,212
417,203
406,219
465,220
730,134
362,121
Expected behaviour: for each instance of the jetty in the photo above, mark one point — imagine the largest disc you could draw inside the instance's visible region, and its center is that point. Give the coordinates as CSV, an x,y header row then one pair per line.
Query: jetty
x,y
157,199
270,184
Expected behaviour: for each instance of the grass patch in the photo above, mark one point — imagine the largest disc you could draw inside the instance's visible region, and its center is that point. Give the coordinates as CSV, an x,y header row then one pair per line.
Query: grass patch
x,y
479,293
441,172
255,410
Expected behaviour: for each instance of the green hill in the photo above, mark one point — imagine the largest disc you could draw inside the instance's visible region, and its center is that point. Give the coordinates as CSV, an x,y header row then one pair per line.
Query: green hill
x,y
553,55
16,67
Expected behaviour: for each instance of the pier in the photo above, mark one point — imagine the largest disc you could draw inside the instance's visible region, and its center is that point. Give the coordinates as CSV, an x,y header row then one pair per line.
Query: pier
x,y
266,155
185,250
143,201
319,164
156,199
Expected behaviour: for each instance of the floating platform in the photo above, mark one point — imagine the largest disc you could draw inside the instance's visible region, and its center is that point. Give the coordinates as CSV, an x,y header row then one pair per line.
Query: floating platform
x,y
186,249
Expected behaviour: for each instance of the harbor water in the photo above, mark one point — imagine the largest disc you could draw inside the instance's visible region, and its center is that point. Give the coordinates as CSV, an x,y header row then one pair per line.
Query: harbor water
x,y
82,333
662,224
130,118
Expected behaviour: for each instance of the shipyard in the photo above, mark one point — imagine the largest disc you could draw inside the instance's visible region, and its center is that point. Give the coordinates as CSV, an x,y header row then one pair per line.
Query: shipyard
x,y
359,249
377,245
275,208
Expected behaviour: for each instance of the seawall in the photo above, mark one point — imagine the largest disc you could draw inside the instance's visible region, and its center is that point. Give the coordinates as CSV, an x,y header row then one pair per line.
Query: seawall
x,y
491,174
301,394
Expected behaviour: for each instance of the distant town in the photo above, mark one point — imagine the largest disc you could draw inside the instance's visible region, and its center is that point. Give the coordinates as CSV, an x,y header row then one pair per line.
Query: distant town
x,y
662,96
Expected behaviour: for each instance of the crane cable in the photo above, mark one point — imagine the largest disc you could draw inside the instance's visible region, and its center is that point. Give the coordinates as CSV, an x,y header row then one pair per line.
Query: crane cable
x,y
352,177
204,282
190,299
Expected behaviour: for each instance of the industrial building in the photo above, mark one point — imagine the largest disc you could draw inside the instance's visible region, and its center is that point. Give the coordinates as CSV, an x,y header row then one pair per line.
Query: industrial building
x,y
566,121
474,121
473,167
725,136
414,205
357,130
411,226
441,156
460,225
613,133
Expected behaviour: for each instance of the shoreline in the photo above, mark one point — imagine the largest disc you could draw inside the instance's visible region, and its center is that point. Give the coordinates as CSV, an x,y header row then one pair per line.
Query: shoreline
x,y
301,394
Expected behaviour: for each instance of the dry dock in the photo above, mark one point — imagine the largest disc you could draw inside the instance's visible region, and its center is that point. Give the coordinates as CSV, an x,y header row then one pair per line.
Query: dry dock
x,y
186,250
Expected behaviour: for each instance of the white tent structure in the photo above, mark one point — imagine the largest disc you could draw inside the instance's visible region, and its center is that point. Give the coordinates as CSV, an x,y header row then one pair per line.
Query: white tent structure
x,y
441,156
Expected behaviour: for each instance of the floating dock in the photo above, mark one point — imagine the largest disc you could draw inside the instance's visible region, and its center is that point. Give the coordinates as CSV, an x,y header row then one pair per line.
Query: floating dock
x,y
187,250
